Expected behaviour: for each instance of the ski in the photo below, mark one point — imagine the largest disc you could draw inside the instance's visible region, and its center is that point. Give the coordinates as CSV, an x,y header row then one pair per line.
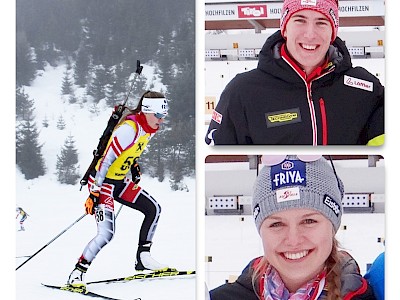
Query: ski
x,y
80,290
139,276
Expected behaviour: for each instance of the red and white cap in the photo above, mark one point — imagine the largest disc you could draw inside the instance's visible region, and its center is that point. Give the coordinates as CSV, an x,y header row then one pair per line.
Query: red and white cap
x,y
329,8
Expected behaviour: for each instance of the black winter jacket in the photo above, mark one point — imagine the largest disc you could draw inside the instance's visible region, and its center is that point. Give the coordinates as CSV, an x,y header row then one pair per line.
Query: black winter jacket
x,y
274,105
354,286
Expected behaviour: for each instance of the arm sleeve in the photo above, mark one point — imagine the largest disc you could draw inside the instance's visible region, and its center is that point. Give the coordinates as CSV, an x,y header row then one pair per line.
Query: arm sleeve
x,y
228,124
375,131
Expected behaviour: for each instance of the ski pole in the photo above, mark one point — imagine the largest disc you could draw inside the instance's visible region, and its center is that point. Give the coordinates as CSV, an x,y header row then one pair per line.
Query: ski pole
x,y
62,232
119,210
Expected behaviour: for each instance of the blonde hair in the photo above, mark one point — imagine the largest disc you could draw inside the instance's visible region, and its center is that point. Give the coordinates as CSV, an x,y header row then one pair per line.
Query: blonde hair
x,y
333,269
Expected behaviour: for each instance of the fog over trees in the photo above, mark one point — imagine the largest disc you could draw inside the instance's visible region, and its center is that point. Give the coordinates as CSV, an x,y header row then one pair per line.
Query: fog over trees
x,y
99,42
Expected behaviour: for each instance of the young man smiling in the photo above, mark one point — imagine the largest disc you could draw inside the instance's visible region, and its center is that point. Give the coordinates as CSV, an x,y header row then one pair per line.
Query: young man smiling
x,y
304,90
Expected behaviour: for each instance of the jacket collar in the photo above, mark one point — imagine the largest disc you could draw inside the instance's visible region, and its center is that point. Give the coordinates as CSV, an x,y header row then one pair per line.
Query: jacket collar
x,y
270,58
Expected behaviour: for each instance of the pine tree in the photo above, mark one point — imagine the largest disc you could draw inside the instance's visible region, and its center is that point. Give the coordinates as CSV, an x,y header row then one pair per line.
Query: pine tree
x,y
72,99
67,163
66,88
61,123
25,63
45,122
99,83
94,109
28,150
139,87
82,67
23,105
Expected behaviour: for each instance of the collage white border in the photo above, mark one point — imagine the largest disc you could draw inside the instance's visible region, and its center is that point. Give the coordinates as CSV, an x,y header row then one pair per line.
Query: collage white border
x,y
389,151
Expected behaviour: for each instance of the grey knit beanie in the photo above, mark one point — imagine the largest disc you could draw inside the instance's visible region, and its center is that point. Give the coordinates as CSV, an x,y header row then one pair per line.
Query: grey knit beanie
x,y
297,184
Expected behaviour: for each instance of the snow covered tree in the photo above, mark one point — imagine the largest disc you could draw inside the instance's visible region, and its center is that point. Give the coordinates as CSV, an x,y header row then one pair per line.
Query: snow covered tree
x,y
94,109
61,123
82,67
72,98
99,83
66,87
67,163
45,122
25,63
28,150
23,105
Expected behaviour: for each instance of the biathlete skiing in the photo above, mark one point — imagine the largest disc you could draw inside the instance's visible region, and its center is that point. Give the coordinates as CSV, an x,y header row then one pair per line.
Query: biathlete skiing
x,y
24,215
109,182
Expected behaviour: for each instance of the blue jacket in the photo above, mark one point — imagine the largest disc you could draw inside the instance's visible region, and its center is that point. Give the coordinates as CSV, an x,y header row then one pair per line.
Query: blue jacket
x,y
376,276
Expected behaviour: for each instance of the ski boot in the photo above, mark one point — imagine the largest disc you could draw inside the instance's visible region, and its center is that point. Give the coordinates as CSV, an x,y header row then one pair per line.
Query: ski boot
x,y
77,277
144,261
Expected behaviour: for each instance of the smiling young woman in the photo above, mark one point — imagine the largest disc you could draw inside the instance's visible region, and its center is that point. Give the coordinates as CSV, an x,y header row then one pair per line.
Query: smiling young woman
x,y
297,211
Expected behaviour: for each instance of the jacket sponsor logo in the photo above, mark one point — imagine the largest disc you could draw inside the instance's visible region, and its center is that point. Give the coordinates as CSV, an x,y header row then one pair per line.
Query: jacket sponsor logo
x,y
332,204
288,194
216,116
358,83
283,117
252,11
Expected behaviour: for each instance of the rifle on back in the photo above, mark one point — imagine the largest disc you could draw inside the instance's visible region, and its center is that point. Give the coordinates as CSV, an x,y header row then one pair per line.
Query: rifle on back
x,y
112,122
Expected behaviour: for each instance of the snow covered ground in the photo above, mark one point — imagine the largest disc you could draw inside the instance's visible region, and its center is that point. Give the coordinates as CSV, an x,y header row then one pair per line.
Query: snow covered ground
x,y
53,207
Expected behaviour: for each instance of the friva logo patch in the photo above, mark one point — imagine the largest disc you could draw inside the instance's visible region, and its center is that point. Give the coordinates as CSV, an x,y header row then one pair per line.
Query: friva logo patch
x,y
288,173
283,117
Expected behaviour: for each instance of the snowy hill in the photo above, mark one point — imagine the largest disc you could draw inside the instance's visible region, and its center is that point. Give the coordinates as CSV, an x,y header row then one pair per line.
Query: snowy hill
x,y
52,207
